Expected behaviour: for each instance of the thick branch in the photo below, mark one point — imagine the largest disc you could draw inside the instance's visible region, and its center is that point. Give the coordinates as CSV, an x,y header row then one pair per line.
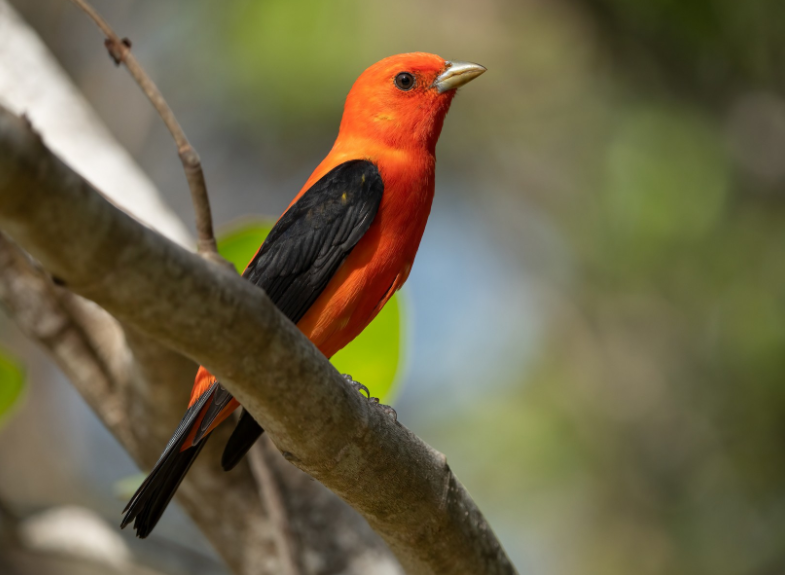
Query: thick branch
x,y
90,347
402,487
93,350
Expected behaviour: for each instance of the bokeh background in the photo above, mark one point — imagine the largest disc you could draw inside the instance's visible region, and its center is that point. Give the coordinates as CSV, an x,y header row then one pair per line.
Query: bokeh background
x,y
595,323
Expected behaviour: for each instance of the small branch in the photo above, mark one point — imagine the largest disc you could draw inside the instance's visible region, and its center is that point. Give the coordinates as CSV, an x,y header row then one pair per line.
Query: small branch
x,y
120,51
272,497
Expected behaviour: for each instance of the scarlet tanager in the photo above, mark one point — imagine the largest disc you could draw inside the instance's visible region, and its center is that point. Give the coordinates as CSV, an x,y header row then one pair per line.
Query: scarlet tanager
x,y
342,248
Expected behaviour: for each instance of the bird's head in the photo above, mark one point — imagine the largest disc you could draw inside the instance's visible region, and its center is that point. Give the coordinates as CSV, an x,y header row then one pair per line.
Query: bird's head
x,y
402,100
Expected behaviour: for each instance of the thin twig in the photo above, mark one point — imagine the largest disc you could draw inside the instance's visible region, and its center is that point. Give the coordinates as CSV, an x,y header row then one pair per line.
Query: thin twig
x,y
272,498
120,51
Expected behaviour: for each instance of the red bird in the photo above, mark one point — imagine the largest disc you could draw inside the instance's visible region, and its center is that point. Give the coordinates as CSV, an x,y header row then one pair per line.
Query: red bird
x,y
343,247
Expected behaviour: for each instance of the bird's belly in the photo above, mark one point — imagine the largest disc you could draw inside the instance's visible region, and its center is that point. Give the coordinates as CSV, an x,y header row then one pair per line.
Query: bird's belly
x,y
357,292
380,262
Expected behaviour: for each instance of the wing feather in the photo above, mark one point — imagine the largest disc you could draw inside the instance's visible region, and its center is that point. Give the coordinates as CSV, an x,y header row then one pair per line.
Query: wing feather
x,y
312,239
304,250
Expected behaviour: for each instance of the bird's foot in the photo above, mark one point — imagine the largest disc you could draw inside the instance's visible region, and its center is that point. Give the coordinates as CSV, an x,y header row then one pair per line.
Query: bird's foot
x,y
357,386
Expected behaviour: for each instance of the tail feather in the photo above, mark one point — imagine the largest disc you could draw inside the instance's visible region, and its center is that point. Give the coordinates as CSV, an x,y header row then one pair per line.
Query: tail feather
x,y
243,437
148,503
153,496
147,506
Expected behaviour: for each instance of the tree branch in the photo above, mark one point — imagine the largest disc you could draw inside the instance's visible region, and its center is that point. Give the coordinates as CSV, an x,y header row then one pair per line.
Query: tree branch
x,y
32,83
120,51
90,348
81,335
402,487
270,493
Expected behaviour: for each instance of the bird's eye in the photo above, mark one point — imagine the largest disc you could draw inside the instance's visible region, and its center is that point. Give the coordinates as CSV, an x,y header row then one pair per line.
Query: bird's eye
x,y
404,81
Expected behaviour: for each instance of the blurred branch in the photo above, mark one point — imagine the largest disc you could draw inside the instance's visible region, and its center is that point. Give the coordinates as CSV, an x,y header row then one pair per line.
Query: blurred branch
x,y
404,489
6,513
33,84
270,493
9,523
89,345
66,540
120,51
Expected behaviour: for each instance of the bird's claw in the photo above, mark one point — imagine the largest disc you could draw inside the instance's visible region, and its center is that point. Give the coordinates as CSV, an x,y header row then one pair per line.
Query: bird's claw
x,y
389,411
356,385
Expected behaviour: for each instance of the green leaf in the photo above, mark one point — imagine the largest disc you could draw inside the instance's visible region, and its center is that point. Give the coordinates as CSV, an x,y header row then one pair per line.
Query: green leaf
x,y
375,356
12,379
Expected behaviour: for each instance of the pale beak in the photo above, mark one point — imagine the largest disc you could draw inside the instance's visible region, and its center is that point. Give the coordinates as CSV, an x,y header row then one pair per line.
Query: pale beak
x,y
457,74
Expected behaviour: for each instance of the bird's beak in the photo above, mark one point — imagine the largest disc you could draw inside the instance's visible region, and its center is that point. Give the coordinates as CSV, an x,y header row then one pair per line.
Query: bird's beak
x,y
457,74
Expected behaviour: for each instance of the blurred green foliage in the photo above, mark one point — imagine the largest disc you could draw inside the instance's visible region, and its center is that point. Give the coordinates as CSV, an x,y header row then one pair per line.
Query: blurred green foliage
x,y
666,183
374,357
260,39
699,44
12,380
656,412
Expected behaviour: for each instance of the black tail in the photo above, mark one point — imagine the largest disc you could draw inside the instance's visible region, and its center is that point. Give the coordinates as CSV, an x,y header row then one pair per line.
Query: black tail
x,y
149,503
150,500
243,437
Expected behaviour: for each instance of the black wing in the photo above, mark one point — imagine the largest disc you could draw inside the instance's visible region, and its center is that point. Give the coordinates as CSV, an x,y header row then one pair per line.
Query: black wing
x,y
302,253
294,265
312,239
